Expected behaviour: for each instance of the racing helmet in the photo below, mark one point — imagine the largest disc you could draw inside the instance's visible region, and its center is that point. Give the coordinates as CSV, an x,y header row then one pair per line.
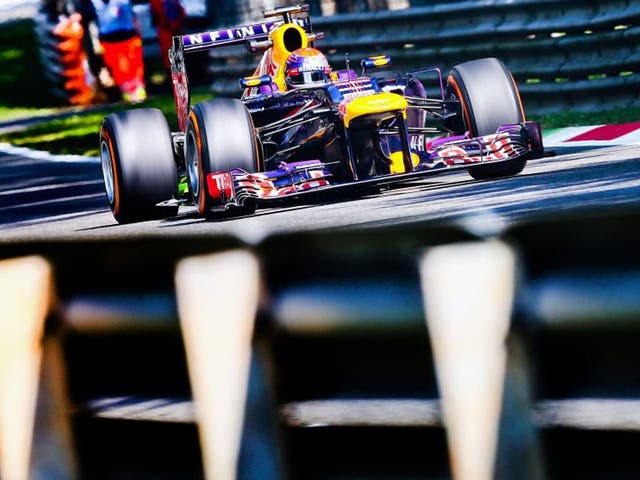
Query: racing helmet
x,y
306,67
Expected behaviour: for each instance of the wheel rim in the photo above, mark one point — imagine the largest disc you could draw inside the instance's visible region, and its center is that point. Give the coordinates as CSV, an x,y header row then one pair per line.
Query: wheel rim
x,y
193,169
107,171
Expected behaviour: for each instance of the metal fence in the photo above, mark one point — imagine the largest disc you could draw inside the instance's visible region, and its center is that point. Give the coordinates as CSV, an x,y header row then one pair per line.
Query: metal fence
x,y
399,353
565,55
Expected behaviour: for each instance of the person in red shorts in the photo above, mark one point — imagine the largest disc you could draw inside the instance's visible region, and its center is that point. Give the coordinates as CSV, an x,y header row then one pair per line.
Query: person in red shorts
x,y
115,38
168,17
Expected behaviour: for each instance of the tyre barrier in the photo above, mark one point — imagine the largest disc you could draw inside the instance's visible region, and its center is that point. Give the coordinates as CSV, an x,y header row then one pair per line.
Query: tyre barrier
x,y
395,353
63,50
565,55
64,59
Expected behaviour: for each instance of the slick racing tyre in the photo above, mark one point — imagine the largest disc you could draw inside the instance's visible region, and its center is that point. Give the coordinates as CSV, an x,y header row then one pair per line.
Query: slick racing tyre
x,y
489,98
138,167
220,137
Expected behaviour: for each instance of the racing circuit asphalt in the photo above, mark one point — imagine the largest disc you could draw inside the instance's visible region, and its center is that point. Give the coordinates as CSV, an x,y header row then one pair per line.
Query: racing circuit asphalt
x,y
42,199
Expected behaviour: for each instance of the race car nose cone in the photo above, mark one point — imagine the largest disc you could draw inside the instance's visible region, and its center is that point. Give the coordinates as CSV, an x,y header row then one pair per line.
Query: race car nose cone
x,y
377,105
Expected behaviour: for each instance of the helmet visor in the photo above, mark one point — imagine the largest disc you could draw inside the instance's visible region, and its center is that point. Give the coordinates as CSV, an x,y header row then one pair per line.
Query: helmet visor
x,y
306,78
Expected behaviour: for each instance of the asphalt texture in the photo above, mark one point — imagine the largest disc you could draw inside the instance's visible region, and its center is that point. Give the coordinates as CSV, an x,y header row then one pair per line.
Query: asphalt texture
x,y
43,198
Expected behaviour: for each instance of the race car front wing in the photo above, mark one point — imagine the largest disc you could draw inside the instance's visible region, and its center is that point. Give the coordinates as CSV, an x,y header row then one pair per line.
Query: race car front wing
x,y
510,142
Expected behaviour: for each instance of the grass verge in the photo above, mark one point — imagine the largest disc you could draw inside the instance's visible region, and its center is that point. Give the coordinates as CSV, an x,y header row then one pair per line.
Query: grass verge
x,y
575,119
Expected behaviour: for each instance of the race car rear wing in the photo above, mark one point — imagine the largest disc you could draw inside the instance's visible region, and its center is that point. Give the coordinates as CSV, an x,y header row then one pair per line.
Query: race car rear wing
x,y
254,36
235,36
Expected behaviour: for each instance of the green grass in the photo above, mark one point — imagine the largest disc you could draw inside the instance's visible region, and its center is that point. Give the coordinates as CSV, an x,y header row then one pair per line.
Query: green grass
x,y
78,134
573,119
8,114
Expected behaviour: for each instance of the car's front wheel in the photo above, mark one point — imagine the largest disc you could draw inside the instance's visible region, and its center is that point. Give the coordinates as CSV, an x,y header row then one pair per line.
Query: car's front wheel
x,y
489,98
220,137
138,166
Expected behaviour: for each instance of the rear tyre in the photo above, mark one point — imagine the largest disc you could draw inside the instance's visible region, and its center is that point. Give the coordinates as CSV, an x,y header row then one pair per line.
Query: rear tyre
x,y
138,167
220,137
489,98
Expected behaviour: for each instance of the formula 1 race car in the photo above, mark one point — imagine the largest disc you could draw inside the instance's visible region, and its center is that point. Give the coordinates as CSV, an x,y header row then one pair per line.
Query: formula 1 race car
x,y
300,126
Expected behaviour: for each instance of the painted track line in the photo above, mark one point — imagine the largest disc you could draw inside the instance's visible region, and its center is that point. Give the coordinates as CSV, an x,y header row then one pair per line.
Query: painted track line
x,y
45,156
594,136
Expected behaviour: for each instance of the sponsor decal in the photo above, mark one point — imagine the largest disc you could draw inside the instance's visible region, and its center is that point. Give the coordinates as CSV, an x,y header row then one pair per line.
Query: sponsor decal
x,y
234,34
220,186
417,143
181,96
286,180
352,90
494,147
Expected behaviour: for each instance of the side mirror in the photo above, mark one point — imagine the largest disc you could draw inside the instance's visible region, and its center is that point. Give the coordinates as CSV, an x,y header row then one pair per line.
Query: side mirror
x,y
258,81
379,61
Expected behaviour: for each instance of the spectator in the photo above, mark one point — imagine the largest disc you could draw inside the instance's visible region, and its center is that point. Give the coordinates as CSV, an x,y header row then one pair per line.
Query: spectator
x,y
115,39
168,17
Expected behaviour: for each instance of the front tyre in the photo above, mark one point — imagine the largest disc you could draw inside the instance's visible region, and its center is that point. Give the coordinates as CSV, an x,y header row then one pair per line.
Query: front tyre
x,y
138,167
220,137
490,98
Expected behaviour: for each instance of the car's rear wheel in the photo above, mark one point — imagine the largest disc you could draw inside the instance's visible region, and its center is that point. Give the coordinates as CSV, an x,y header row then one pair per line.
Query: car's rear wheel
x,y
489,98
220,137
138,166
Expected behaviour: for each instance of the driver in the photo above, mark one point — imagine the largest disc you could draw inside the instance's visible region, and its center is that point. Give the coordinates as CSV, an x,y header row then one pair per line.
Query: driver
x,y
306,67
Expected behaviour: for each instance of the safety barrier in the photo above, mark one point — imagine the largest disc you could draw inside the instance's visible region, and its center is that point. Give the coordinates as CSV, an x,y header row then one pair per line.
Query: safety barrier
x,y
63,49
565,55
367,354
64,59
